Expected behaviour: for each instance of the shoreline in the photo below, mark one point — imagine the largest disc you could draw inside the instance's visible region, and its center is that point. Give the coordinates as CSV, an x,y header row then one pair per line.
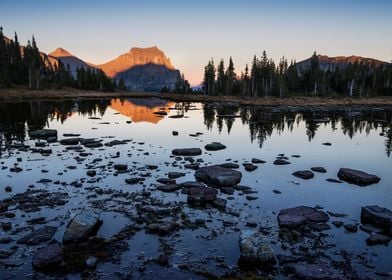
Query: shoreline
x,y
24,94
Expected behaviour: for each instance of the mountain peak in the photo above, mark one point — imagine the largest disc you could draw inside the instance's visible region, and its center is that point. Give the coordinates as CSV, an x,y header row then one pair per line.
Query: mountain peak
x,y
60,52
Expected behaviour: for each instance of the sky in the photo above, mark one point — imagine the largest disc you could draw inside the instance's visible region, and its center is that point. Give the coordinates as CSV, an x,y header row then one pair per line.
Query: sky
x,y
193,32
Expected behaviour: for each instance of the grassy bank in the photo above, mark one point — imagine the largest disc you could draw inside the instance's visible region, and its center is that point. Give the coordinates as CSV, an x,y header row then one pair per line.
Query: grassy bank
x,y
19,94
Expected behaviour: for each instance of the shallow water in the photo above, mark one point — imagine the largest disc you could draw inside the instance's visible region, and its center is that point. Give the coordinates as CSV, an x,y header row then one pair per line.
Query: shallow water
x,y
360,137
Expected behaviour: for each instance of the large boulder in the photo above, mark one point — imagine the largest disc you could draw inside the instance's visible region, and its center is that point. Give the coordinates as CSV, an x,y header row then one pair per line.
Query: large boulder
x,y
357,177
218,176
255,250
83,225
378,216
38,236
301,215
43,133
201,195
187,152
48,257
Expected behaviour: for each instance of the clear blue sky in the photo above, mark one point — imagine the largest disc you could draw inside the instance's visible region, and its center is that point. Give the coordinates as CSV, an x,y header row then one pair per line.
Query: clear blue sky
x,y
191,32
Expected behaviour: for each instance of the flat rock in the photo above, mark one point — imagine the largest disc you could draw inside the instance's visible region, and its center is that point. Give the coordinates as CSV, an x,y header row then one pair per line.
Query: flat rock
x,y
134,180
169,188
318,169
199,196
357,177
214,146
187,152
317,271
230,165
43,133
3,206
281,162
38,236
121,167
378,216
83,225
70,141
256,160
175,175
218,176
48,257
304,174
255,250
301,215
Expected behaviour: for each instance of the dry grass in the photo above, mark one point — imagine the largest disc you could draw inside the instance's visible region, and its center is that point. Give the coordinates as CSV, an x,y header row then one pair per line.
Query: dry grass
x,y
25,94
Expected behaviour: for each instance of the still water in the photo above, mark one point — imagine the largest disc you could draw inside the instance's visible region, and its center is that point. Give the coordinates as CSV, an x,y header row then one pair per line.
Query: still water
x,y
359,138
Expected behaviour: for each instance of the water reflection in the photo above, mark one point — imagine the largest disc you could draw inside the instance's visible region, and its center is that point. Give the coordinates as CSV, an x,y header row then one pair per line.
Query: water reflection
x,y
17,118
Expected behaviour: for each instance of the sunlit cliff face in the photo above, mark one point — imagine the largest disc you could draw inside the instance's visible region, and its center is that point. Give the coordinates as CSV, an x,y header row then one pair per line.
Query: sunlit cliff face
x,y
138,110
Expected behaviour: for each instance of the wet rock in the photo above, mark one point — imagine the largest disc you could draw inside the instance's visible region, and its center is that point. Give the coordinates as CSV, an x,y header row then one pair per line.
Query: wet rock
x,y
331,180
40,144
163,260
251,197
300,215
133,181
277,191
48,257
337,224
255,250
256,160
91,173
378,216
121,167
43,133
370,228
3,206
6,240
6,226
116,143
187,152
70,141
318,169
199,196
175,175
327,144
376,239
351,227
93,144
169,188
175,133
357,177
281,162
214,146
193,166
162,228
219,203
166,181
317,271
230,165
218,176
249,167
38,236
83,225
304,174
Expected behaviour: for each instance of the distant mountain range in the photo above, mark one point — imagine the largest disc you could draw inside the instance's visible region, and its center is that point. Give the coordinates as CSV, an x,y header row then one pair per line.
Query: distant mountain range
x,y
330,63
142,69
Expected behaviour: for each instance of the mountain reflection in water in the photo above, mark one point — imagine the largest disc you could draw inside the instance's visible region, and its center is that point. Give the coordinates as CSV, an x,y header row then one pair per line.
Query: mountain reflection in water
x,y
16,118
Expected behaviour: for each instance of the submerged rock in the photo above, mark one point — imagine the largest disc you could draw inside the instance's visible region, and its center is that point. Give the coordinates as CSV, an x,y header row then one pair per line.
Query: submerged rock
x,y
83,225
48,257
255,250
378,216
214,146
187,152
357,177
304,174
218,176
38,236
301,215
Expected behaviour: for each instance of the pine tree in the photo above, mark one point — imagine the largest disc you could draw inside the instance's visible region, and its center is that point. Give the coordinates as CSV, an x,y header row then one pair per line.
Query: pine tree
x,y
230,77
220,80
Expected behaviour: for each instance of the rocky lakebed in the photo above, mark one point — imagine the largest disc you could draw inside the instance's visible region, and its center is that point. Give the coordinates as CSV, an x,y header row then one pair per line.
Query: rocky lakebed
x,y
154,189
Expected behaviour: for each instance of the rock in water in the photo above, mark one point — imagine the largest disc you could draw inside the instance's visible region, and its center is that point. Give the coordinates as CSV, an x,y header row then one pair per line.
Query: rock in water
x,y
304,174
48,257
255,250
187,152
43,133
378,216
357,177
301,215
38,236
317,271
83,225
215,146
218,176
199,196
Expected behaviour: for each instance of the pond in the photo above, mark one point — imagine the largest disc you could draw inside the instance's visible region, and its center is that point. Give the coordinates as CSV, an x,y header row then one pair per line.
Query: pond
x,y
109,154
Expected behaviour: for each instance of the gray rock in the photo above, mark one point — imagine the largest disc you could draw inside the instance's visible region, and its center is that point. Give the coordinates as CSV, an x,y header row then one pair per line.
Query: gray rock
x,y
50,256
214,146
43,133
219,203
281,162
70,141
199,196
304,174
256,160
249,167
376,239
166,181
175,175
319,169
318,271
38,236
378,216
169,188
83,225
255,250
187,152
218,176
357,177
301,215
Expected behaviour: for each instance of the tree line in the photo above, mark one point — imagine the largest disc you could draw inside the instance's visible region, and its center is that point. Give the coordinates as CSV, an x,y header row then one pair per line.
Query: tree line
x,y
266,78
27,66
